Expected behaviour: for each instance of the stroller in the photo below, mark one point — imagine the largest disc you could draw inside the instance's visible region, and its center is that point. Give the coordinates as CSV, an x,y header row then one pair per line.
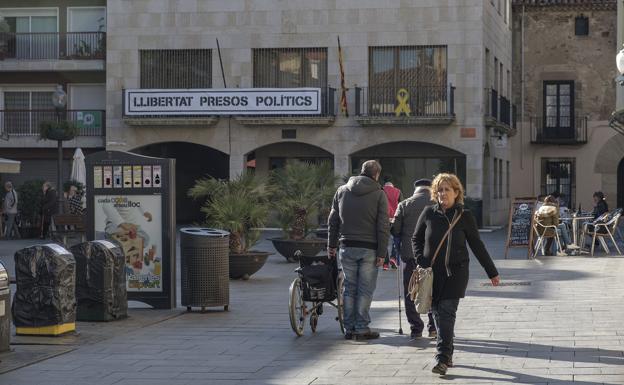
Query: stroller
x,y
318,281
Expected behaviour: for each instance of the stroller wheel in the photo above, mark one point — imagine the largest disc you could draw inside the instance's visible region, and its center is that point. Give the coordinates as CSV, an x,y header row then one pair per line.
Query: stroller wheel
x,y
296,307
313,322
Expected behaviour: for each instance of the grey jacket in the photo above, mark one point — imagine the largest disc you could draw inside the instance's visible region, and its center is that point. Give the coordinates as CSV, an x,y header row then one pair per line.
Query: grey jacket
x,y
359,216
9,205
406,217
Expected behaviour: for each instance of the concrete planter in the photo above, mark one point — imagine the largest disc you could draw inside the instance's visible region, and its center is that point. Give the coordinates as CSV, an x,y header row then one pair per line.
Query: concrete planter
x,y
242,266
288,247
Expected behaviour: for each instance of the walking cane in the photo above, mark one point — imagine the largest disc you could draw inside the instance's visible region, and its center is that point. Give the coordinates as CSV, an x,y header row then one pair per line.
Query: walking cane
x,y
399,275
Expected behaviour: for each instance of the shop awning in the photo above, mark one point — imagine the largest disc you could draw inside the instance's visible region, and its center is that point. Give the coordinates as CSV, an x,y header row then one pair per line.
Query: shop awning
x,y
8,166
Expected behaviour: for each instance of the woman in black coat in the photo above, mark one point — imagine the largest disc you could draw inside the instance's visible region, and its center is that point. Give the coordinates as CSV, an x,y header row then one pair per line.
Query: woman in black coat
x,y
450,270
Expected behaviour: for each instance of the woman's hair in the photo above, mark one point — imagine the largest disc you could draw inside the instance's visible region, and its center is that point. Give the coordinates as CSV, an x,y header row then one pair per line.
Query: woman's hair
x,y
453,181
599,195
550,199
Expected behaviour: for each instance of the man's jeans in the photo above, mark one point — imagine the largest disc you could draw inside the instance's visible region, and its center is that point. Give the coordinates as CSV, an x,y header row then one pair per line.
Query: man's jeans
x,y
444,312
416,324
10,225
360,272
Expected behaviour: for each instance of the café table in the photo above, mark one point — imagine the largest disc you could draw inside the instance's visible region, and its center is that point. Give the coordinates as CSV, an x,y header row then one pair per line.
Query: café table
x,y
576,224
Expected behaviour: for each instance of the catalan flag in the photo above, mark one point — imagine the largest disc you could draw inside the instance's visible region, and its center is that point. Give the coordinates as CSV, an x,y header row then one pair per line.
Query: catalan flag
x,y
343,89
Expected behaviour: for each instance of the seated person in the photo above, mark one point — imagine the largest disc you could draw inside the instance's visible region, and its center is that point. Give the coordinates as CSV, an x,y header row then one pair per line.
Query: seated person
x,y
600,205
548,215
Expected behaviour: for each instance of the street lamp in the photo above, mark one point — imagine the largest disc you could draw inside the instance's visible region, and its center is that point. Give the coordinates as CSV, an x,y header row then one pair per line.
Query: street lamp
x,y
617,117
59,101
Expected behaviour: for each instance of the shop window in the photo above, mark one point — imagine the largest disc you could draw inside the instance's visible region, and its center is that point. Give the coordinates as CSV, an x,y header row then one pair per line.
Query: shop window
x,y
558,176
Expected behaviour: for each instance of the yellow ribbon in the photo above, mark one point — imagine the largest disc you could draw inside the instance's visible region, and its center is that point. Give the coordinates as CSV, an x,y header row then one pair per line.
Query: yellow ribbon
x,y
403,107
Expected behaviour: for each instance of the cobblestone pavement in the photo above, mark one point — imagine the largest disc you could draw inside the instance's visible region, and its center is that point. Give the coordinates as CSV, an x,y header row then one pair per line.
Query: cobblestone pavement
x,y
557,320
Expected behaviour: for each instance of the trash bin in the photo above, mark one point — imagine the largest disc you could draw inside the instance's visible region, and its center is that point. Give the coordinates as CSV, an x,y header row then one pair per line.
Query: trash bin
x,y
204,267
5,310
45,299
100,281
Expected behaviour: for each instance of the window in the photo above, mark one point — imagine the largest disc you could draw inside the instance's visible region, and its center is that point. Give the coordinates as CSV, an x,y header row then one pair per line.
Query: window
x,y
495,182
488,75
558,175
420,70
495,85
500,178
558,109
176,68
290,67
24,110
581,25
86,19
36,33
507,181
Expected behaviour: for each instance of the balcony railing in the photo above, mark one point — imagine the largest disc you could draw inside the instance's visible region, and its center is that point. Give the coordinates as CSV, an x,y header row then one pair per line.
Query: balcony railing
x,y
53,45
415,102
499,108
26,122
564,130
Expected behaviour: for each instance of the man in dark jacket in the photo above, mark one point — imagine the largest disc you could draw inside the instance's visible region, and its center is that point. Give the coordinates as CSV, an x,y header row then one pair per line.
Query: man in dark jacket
x,y
359,221
49,207
405,220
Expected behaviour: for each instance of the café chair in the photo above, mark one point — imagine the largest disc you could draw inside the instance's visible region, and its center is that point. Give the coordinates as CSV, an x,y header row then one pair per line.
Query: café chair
x,y
603,227
547,231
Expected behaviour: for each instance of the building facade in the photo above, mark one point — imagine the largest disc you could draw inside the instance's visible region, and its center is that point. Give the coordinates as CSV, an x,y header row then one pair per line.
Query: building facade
x,y
45,43
564,70
421,78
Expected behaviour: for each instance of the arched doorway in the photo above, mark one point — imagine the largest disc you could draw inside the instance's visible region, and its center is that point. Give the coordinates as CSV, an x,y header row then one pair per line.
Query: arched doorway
x,y
620,184
193,161
405,162
276,155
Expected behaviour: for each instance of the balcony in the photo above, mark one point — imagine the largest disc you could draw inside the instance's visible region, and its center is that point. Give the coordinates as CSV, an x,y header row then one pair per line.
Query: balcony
x,y
564,131
405,106
325,118
53,51
21,127
500,114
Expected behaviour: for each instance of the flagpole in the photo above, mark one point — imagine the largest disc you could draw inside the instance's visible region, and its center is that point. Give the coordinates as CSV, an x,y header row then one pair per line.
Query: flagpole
x,y
343,89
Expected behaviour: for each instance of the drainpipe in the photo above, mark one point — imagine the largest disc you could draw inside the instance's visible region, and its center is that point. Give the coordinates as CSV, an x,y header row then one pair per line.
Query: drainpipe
x,y
522,94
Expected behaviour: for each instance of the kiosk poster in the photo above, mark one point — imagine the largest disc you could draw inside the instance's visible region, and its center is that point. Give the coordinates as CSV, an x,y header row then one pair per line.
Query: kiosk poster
x,y
135,222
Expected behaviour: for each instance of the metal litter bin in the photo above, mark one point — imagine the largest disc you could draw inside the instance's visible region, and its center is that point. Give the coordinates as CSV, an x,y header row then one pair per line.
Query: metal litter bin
x,y
5,310
204,267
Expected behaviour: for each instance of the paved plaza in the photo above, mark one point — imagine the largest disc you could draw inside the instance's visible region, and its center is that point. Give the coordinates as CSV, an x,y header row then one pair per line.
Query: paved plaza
x,y
556,320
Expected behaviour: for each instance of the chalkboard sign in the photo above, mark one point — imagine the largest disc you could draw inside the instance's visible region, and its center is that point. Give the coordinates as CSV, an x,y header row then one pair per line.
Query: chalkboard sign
x,y
520,224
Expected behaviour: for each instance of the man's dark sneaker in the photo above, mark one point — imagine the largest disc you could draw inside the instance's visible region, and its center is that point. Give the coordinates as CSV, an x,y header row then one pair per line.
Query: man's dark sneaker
x,y
433,334
348,335
415,334
440,368
450,363
369,335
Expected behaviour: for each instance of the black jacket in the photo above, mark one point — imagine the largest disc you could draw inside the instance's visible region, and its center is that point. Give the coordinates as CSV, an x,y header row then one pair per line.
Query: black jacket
x,y
405,220
600,208
359,216
49,205
450,275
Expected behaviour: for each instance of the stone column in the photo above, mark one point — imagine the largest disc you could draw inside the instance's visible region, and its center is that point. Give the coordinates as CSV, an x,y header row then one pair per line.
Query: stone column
x,y
237,165
342,165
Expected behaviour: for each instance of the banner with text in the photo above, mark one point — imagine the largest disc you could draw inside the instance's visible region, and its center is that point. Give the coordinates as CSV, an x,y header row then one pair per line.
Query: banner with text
x,y
234,101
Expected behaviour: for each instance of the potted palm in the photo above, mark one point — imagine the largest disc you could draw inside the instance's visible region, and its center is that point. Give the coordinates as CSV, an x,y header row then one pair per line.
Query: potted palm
x,y
239,206
298,192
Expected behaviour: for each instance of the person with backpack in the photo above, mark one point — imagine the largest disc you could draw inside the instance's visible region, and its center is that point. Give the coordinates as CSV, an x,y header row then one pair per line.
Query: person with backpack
x,y
439,242
9,210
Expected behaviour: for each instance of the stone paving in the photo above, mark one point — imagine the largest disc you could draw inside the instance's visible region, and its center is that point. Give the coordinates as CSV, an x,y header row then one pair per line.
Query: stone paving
x,y
557,320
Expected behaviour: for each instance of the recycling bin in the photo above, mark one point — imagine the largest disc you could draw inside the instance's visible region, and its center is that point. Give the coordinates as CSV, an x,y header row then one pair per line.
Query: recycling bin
x,y
5,310
204,265
100,281
45,299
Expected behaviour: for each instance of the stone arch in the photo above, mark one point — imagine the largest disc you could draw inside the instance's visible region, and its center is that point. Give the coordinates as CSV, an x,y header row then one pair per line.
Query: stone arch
x,y
607,161
274,155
